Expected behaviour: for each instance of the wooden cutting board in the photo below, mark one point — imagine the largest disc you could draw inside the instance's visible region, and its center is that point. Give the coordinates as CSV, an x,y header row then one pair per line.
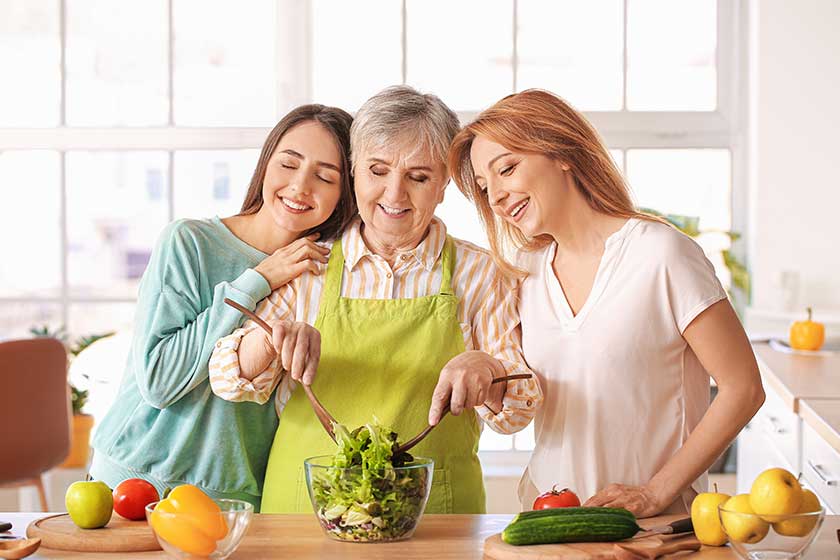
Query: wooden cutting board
x,y
119,535
648,547
496,549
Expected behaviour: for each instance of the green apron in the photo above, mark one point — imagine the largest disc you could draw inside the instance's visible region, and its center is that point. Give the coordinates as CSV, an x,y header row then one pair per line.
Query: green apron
x,y
382,358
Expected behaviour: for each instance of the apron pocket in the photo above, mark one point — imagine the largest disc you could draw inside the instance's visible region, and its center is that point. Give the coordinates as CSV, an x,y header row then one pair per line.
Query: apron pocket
x,y
440,498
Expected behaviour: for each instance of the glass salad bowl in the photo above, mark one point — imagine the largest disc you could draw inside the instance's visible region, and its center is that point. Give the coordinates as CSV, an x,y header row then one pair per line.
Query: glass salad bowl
x,y
358,505
776,537
186,535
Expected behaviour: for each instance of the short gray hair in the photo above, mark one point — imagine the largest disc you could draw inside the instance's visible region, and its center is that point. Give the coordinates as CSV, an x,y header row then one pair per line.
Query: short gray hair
x,y
398,111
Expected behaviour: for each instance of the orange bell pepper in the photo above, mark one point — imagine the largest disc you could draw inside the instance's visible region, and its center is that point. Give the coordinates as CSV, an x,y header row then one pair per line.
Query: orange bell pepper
x,y
807,335
189,520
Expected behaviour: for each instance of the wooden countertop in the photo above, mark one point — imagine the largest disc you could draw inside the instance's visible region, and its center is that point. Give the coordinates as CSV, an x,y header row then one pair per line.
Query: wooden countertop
x,y
795,377
438,537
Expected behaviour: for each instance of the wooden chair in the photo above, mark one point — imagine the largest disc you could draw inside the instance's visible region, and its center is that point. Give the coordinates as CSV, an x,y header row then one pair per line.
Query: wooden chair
x,y
34,411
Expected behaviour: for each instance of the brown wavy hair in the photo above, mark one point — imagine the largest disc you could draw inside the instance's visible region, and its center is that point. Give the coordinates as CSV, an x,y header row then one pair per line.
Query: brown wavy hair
x,y
539,122
337,122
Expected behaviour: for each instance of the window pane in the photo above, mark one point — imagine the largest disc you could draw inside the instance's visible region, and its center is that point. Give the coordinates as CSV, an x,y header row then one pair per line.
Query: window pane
x,y
210,183
31,250
345,72
85,319
573,48
16,318
116,209
461,51
691,183
492,441
671,66
461,217
117,73
618,158
30,56
224,63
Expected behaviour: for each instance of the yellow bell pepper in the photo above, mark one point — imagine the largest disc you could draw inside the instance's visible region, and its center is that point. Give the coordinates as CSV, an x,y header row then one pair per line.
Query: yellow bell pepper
x,y
189,520
807,335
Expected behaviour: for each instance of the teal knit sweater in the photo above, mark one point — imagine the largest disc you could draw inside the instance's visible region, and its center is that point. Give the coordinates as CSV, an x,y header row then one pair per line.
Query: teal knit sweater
x,y
166,424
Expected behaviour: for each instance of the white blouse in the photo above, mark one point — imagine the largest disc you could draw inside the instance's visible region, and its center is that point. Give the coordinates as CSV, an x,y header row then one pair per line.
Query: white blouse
x,y
622,388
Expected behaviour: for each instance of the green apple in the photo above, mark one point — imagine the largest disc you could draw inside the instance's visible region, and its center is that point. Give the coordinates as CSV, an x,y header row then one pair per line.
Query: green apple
x,y
775,492
742,526
89,504
705,518
799,527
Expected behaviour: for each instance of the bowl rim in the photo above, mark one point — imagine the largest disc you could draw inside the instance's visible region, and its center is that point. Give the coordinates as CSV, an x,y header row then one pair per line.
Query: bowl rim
x,y
249,507
781,516
417,463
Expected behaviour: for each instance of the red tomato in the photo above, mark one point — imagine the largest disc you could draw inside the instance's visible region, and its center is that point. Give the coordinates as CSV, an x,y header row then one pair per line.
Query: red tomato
x,y
555,499
132,496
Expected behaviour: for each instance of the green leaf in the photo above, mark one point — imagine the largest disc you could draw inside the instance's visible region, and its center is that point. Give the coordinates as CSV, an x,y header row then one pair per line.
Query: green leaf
x,y
739,272
45,332
85,341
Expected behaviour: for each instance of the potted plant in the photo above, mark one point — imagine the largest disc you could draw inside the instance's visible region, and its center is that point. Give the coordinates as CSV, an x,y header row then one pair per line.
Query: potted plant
x,y
82,423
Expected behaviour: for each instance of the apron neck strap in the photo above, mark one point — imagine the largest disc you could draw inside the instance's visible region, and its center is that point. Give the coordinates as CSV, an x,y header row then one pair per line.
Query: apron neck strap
x,y
447,261
335,270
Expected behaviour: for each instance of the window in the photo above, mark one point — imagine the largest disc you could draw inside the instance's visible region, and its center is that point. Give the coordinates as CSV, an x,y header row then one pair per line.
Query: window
x,y
110,131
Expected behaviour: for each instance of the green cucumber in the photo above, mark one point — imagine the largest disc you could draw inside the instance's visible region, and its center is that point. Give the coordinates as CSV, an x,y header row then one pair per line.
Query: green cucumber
x,y
566,511
582,527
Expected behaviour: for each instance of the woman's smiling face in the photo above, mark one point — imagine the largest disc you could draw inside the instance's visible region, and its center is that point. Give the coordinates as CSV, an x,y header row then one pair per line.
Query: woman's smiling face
x,y
302,182
397,191
525,190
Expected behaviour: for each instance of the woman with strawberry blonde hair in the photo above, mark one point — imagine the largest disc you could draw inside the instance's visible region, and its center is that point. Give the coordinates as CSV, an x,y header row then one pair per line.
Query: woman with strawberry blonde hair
x,y
622,316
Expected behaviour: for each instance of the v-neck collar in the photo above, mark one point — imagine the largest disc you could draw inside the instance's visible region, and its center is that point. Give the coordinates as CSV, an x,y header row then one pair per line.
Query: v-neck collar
x,y
568,321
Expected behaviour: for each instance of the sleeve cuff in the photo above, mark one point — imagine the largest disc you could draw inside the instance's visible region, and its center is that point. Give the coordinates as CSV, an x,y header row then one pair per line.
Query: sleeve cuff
x,y
252,283
519,406
261,383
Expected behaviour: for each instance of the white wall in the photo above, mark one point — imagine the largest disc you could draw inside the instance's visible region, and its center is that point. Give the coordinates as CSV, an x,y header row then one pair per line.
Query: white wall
x,y
794,137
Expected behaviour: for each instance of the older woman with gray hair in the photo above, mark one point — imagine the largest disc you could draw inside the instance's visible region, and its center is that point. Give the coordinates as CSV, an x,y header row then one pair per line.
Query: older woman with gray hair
x,y
403,321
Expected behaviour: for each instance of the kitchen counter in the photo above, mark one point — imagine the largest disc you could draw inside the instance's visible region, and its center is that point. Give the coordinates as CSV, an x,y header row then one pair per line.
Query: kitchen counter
x,y
824,417
795,377
438,537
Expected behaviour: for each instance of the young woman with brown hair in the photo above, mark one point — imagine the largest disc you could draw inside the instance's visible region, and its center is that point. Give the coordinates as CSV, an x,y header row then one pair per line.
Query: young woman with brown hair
x,y
166,426
622,316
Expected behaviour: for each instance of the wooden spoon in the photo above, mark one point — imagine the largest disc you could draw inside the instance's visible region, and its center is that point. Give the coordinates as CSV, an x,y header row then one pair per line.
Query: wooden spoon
x,y
20,548
324,417
419,437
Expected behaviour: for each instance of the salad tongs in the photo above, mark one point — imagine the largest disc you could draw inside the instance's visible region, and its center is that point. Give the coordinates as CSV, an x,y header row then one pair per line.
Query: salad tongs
x,y
324,417
419,437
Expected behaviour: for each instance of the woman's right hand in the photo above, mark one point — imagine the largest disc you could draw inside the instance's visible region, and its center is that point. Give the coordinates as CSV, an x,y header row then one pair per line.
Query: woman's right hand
x,y
289,262
298,345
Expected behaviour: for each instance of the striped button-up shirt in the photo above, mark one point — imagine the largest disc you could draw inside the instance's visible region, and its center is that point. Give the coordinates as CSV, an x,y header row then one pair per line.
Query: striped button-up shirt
x,y
486,312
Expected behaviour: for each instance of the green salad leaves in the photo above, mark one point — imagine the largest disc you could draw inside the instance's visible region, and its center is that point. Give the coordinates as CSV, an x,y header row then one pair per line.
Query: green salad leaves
x,y
369,493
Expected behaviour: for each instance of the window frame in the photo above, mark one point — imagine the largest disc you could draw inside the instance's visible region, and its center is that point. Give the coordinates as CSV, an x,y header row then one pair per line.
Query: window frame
x,y
622,130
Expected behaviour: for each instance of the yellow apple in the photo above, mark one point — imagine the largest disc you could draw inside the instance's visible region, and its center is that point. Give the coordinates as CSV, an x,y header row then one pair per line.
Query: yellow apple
x,y
775,492
799,527
704,517
742,528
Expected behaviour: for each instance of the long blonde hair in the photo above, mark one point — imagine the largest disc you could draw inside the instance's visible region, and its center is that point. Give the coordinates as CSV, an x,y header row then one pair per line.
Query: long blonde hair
x,y
539,122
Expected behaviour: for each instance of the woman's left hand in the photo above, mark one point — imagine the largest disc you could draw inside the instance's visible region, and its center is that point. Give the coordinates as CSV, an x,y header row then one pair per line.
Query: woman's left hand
x,y
464,382
640,500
